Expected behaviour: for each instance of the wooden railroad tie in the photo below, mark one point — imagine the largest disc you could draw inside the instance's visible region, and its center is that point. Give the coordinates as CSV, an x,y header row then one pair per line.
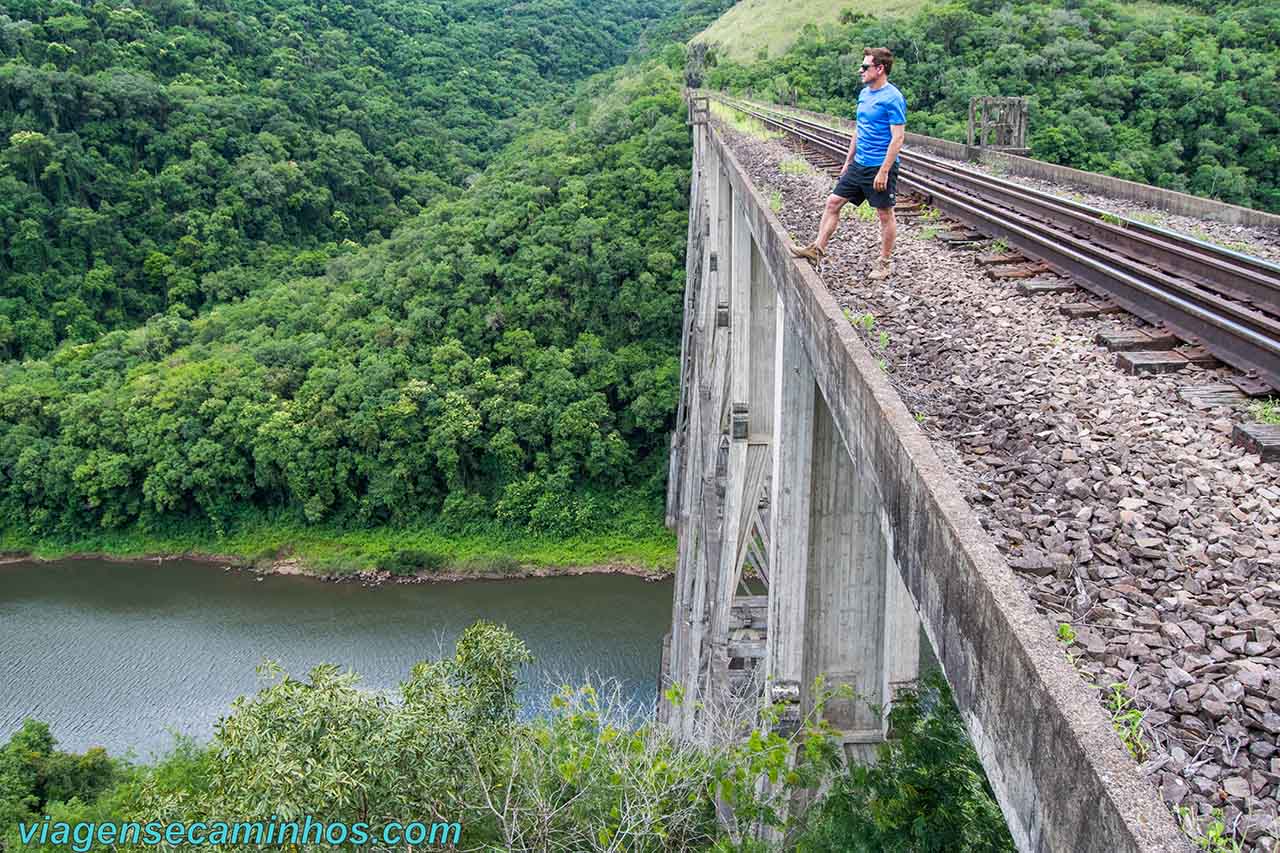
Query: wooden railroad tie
x,y
1042,286
1139,362
1024,270
1122,340
996,258
1083,310
1211,396
1262,439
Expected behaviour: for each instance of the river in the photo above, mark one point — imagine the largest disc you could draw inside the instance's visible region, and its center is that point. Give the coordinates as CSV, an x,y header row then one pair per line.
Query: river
x,y
120,654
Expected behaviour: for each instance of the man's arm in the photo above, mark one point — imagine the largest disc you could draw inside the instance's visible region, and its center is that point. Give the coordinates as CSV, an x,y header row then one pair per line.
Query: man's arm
x,y
899,132
853,146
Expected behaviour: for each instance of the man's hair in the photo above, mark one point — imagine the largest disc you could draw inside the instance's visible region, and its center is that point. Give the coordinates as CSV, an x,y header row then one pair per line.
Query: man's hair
x,y
881,56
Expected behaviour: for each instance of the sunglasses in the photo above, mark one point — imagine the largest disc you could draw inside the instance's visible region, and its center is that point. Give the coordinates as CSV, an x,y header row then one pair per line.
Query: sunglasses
x,y
867,65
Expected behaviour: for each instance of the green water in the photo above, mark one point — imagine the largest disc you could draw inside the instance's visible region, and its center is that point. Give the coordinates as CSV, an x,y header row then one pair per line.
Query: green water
x,y
118,654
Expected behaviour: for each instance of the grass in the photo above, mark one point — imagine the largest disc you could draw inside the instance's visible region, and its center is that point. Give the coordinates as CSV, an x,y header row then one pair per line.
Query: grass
x,y
1267,411
775,200
863,212
795,166
1213,838
1148,217
743,123
759,29
1205,237
1127,722
323,549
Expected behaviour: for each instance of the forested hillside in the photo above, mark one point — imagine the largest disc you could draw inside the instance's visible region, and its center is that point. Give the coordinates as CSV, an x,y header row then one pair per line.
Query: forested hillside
x,y
1181,96
170,154
510,354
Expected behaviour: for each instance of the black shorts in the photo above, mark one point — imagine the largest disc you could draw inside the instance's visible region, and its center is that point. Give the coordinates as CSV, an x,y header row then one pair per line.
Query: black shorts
x,y
858,183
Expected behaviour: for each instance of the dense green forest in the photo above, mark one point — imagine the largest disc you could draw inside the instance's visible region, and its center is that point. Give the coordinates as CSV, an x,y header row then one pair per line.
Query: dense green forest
x,y
1181,96
448,746
507,356
174,153
504,350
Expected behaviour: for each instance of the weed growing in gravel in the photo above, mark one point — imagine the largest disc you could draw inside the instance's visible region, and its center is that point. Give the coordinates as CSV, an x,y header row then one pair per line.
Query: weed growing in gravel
x,y
1066,634
921,417
1213,838
1148,217
1267,411
931,215
1112,219
743,123
884,339
1127,721
865,320
884,365
775,200
1000,247
795,166
929,232
866,213
1205,237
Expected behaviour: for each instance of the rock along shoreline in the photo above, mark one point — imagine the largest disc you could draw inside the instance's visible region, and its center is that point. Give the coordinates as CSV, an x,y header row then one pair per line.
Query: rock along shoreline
x,y
295,567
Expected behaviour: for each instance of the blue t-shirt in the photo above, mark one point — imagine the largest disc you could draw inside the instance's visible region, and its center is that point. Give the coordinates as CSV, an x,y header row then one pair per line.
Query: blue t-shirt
x,y
876,111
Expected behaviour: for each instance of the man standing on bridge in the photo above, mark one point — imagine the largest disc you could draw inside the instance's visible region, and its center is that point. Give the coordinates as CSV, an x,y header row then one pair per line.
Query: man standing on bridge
x,y
871,166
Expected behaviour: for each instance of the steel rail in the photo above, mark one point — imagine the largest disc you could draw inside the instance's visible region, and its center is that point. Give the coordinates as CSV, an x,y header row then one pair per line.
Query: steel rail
x,y
1223,300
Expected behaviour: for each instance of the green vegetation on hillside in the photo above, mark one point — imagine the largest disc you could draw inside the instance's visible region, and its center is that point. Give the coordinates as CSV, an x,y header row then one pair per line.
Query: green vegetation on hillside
x,y
162,156
1177,97
510,356
760,29
449,746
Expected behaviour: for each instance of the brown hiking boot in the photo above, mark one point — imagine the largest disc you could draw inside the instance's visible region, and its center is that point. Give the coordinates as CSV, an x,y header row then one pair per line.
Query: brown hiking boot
x,y
810,252
881,269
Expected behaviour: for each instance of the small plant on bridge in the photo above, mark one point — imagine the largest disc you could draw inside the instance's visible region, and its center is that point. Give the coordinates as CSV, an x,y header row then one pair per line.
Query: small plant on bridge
x,y
931,215
1212,838
1267,411
1113,219
775,200
865,212
1148,217
1000,247
1127,721
864,320
929,232
1066,634
795,166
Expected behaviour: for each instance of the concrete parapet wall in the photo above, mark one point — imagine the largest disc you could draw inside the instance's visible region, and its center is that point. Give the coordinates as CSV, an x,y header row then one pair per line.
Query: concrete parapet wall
x,y
1059,772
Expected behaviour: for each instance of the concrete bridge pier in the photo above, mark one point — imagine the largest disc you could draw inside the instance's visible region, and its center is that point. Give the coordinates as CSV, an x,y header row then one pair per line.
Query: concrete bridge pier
x,y
819,532
769,482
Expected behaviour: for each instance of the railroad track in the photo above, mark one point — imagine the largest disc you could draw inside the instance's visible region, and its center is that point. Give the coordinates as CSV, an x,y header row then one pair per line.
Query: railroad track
x,y
1225,302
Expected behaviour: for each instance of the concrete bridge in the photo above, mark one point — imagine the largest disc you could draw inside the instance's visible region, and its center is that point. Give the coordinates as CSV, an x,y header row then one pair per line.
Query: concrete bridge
x,y
794,455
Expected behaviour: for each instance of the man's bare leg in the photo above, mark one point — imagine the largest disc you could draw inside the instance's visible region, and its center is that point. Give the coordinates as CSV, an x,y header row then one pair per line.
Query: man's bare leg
x,y
888,231
883,267
830,220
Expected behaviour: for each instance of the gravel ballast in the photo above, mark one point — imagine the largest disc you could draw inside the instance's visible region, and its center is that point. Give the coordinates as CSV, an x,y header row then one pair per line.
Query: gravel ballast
x,y
1125,511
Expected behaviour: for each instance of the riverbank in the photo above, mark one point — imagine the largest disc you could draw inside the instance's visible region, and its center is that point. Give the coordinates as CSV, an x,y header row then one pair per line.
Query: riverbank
x,y
411,554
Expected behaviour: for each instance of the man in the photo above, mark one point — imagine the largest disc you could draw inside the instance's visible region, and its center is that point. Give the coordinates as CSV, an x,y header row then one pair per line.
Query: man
x,y
871,166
